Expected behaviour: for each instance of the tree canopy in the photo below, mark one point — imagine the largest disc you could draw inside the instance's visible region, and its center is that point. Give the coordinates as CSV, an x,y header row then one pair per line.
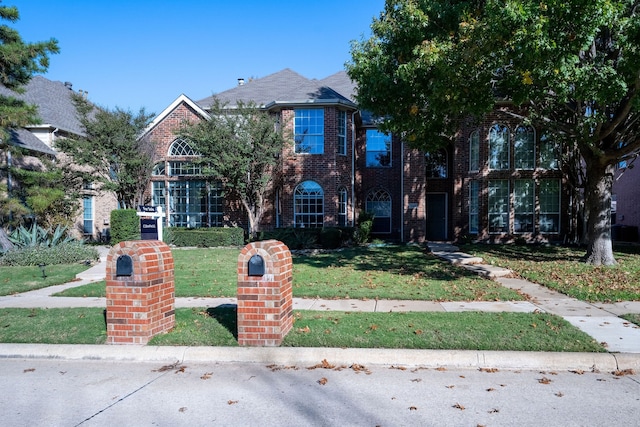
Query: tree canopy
x,y
110,153
571,68
240,147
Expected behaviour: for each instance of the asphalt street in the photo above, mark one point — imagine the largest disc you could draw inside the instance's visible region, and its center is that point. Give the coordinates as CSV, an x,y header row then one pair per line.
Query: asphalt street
x,y
49,392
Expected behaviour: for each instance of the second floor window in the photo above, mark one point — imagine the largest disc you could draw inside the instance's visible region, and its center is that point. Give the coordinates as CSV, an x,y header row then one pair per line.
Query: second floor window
x,y
474,151
499,147
524,148
308,131
436,163
342,132
378,149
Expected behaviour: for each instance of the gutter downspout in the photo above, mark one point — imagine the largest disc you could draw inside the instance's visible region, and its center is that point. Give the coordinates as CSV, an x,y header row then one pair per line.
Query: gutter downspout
x,y
353,169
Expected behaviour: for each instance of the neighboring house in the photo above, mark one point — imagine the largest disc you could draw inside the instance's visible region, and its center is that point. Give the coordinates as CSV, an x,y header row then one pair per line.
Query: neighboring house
x,y
626,204
499,180
58,120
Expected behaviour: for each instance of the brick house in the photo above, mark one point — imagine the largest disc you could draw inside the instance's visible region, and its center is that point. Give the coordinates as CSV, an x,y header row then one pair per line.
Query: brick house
x,y
498,180
626,206
58,120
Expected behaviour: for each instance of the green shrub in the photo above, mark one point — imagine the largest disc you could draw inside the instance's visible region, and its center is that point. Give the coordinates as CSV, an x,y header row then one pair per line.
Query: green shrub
x,y
64,253
207,237
307,238
37,236
331,238
125,225
363,231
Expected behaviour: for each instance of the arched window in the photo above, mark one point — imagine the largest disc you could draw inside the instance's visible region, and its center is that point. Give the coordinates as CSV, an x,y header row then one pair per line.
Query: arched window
x,y
474,151
342,207
180,147
308,205
524,148
499,147
379,204
436,164
158,169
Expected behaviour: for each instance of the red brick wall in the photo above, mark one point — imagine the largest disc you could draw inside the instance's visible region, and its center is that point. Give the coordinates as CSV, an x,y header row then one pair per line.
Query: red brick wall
x,y
141,305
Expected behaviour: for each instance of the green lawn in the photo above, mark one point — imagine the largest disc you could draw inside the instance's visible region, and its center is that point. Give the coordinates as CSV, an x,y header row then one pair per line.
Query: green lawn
x,y
390,272
560,268
217,326
15,280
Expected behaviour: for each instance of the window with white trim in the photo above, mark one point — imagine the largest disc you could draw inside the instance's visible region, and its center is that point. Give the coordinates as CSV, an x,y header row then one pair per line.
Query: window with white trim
x,y
195,204
181,147
498,199
549,197
308,205
523,205
474,151
308,131
474,206
499,147
378,203
342,132
524,148
342,207
87,214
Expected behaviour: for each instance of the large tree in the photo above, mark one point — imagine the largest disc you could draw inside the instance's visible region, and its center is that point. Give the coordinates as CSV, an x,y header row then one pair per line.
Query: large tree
x,y
240,147
19,61
572,67
110,153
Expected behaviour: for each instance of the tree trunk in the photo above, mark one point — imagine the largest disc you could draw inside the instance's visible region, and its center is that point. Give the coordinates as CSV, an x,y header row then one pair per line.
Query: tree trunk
x,y
598,187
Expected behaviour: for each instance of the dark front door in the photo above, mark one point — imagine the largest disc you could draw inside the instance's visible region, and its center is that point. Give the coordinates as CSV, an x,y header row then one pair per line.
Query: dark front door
x,y
436,216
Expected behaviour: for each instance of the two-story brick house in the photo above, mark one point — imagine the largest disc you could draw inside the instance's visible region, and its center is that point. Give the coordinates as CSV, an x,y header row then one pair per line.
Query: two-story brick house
x,y
497,180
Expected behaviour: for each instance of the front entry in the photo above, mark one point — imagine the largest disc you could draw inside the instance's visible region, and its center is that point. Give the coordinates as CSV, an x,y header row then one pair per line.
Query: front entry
x,y
436,216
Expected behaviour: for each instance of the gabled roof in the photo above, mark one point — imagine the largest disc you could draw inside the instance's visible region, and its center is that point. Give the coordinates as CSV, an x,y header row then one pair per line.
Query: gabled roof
x,y
24,139
286,87
53,99
341,83
179,100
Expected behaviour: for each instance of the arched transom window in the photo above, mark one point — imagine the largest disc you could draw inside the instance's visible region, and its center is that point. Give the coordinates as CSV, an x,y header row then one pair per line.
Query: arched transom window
x,y
379,204
308,202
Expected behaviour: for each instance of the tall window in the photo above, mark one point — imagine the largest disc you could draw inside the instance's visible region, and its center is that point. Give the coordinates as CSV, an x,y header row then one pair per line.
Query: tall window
x,y
474,206
195,204
342,207
524,148
342,132
498,195
523,205
378,149
474,151
379,204
308,205
549,205
87,215
308,131
499,147
436,164
159,194
549,153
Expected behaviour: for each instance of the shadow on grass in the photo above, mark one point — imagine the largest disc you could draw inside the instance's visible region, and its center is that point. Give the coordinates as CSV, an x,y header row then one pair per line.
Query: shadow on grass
x,y
227,316
533,252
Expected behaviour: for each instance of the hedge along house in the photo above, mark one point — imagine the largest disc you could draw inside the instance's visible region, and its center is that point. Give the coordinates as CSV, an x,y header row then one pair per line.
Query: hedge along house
x,y
497,180
59,119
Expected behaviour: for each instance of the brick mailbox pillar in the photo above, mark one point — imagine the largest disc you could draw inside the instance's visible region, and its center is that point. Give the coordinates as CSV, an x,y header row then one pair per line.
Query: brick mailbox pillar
x,y
140,291
264,294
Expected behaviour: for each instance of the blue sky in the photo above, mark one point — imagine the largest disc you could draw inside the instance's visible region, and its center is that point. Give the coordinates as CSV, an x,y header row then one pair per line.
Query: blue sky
x,y
143,53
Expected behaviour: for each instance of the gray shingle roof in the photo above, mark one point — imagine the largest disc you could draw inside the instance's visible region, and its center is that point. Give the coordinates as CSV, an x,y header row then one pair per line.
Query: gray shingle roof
x,y
55,108
284,87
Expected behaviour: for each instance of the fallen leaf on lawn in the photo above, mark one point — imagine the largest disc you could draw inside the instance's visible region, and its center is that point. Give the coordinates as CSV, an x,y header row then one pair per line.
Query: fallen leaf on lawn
x,y
323,381
418,332
304,330
459,406
544,380
206,376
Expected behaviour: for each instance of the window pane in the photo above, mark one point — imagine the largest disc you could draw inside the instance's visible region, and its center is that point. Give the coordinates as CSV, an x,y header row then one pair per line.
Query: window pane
x,y
499,147
474,206
498,206
378,203
523,205
308,209
474,151
309,131
378,149
87,215
524,148
549,205
342,207
195,204
549,154
180,147
436,164
342,132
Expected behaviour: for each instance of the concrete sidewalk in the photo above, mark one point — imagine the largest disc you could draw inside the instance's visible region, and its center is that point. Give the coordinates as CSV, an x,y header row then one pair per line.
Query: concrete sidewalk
x,y
601,321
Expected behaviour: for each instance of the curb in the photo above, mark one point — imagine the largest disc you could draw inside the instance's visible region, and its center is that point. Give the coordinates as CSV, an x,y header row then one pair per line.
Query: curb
x,y
307,357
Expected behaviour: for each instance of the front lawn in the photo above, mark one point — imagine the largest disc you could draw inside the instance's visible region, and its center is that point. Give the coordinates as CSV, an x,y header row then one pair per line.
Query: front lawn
x,y
390,272
17,279
560,268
